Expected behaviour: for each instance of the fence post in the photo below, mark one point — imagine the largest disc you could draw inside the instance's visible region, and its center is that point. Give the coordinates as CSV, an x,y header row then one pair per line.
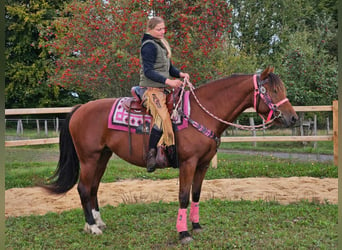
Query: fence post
x,y
46,128
235,128
335,131
38,128
251,122
20,129
315,130
214,161
301,120
57,124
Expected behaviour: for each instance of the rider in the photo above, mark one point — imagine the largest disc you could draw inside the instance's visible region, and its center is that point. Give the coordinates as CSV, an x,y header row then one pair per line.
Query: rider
x,y
156,74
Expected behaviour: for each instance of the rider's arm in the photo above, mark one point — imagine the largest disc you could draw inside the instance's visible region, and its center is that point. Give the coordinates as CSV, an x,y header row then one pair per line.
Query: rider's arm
x,y
174,71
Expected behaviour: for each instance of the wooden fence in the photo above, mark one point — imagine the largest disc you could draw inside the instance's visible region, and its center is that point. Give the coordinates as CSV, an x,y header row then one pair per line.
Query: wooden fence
x,y
333,108
334,137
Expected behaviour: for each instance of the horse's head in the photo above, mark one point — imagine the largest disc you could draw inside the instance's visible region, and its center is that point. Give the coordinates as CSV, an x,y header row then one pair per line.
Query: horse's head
x,y
270,99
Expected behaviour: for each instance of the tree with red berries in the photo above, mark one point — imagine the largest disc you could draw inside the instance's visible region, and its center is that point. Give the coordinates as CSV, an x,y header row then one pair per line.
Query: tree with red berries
x,y
60,53
95,45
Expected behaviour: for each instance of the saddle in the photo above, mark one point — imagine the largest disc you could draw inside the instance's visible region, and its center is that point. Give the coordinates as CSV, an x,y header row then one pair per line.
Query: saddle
x,y
135,104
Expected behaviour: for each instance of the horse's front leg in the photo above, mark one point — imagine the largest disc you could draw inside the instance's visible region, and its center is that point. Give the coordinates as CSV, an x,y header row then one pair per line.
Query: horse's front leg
x,y
196,193
186,174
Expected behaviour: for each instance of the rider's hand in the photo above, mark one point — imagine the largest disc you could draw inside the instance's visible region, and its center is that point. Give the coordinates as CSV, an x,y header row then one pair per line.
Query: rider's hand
x,y
184,75
174,83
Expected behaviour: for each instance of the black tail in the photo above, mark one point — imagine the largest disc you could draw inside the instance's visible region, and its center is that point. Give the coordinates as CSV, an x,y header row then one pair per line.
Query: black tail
x,y
68,168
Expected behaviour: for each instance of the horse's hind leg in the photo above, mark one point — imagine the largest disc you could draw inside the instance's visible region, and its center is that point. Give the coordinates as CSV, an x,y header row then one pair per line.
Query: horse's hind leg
x,y
92,170
101,167
84,190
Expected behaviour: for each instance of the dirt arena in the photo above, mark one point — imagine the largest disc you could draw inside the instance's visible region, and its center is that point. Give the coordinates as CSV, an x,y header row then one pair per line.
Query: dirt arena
x,y
27,201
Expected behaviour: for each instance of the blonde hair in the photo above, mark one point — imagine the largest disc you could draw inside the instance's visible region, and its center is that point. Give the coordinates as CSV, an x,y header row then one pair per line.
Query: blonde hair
x,y
151,24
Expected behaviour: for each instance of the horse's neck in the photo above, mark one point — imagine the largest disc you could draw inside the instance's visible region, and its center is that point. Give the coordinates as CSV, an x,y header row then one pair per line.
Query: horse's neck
x,y
227,99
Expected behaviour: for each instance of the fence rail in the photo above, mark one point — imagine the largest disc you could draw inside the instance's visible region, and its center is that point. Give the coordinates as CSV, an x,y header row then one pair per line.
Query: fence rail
x,y
276,138
32,142
33,111
333,108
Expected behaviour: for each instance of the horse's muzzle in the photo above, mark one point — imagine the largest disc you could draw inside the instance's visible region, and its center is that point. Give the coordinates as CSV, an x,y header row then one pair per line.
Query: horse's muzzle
x,y
289,120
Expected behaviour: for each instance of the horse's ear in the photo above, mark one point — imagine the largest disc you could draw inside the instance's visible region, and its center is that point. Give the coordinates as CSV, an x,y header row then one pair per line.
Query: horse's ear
x,y
265,73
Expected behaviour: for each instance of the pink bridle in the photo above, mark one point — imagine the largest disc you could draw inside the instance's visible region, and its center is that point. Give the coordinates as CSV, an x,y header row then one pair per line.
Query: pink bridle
x,y
261,91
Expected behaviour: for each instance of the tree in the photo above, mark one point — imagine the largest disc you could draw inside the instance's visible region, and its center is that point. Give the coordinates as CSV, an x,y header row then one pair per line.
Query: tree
x,y
308,65
25,63
298,38
95,45
264,28
311,76
59,53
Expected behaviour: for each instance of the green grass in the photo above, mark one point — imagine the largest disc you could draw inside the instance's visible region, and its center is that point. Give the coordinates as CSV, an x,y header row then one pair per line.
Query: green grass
x,y
23,167
323,147
227,225
30,133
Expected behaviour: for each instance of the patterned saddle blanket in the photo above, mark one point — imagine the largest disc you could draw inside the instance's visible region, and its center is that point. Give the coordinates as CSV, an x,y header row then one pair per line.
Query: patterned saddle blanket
x,y
120,118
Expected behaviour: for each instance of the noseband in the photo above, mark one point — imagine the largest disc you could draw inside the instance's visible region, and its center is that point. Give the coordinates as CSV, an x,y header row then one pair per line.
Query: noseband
x,y
261,92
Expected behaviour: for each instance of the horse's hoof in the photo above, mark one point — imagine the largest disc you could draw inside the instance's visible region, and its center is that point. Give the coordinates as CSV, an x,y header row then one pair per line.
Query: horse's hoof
x,y
101,225
92,229
150,170
99,222
186,240
196,228
185,237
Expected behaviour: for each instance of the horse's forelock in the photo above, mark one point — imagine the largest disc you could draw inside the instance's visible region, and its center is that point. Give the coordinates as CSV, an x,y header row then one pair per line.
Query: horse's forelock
x,y
275,82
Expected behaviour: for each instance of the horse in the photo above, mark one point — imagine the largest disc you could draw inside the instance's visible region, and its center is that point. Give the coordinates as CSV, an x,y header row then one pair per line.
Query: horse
x,y
86,143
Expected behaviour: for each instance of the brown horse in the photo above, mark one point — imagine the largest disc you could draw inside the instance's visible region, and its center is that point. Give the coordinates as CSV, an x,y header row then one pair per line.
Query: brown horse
x,y
86,142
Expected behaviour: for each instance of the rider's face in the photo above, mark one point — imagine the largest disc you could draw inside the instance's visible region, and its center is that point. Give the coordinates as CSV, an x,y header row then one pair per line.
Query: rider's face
x,y
158,31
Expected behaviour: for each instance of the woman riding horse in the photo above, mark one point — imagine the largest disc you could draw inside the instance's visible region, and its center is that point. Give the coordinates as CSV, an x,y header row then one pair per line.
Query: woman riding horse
x,y
156,70
87,143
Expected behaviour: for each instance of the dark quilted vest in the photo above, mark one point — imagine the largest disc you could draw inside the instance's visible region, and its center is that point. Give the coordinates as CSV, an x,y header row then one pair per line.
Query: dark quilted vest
x,y
162,66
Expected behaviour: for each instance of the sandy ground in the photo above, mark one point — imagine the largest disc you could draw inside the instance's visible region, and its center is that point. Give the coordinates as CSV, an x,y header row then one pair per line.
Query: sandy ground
x,y
27,201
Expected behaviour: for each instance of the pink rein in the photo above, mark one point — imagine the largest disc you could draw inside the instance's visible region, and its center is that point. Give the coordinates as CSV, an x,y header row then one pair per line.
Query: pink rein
x,y
239,126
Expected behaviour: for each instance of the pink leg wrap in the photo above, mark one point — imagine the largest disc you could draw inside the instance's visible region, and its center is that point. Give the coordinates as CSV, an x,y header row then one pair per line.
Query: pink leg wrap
x,y
181,220
194,212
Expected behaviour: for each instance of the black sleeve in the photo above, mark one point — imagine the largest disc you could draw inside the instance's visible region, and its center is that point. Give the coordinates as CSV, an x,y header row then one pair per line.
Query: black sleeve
x,y
174,71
